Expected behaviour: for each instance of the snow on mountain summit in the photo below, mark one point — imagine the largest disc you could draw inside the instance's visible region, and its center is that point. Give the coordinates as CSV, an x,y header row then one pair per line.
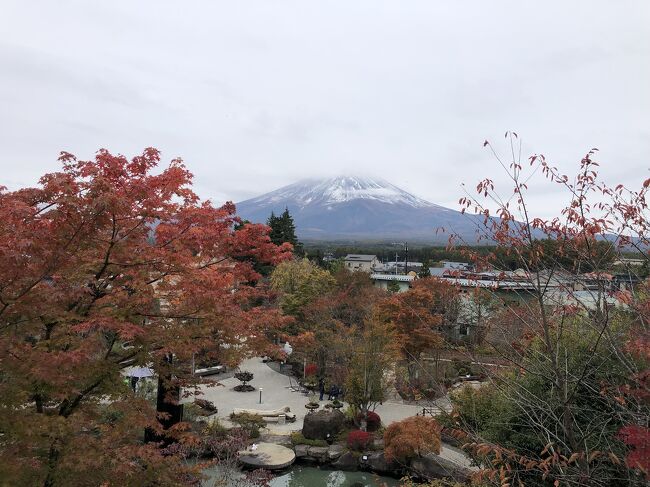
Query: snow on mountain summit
x,y
343,189
353,207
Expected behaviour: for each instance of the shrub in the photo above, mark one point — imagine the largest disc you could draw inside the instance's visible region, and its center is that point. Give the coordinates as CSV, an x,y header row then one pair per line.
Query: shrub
x,y
359,440
310,369
206,405
412,437
298,439
373,421
250,423
215,428
245,377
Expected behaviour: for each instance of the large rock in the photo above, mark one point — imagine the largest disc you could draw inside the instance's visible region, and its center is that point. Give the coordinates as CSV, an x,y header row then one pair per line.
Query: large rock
x,y
334,452
302,451
377,463
432,466
316,426
319,453
347,462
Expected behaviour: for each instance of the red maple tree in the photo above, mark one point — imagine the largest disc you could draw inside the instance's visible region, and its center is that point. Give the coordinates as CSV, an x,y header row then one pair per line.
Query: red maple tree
x,y
108,264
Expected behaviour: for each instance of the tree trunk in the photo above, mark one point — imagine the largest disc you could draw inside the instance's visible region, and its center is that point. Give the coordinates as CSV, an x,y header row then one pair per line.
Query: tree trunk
x,y
167,403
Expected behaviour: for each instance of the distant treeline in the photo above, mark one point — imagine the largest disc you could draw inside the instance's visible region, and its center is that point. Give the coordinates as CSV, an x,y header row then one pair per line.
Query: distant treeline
x,y
603,253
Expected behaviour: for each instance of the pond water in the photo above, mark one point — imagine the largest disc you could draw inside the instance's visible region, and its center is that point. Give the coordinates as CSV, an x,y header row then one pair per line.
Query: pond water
x,y
300,476
304,476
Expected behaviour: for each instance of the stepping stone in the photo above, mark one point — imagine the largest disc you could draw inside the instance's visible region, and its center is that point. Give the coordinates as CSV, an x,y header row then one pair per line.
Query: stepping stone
x,y
268,456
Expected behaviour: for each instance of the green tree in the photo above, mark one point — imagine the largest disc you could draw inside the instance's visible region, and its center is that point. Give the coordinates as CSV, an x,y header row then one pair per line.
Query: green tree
x,y
521,411
425,272
283,230
393,287
299,282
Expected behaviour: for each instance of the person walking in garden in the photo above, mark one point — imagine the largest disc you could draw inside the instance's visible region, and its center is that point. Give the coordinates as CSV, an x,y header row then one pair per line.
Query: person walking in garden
x,y
321,388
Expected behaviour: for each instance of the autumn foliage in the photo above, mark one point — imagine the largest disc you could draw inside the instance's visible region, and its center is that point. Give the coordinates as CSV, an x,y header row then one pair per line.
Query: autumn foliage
x,y
420,316
574,409
412,437
359,440
310,369
110,263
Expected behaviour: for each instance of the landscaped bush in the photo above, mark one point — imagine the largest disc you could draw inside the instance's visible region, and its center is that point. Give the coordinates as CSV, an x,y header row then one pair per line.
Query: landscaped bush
x,y
310,369
245,377
250,423
412,437
373,421
298,439
359,440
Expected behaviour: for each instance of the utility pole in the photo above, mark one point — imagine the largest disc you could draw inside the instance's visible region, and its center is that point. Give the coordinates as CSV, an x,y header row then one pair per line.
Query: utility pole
x,y
406,258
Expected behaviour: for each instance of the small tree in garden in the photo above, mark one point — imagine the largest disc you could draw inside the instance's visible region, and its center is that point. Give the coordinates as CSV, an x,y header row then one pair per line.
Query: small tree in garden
x,y
373,352
250,423
412,437
373,421
244,377
420,316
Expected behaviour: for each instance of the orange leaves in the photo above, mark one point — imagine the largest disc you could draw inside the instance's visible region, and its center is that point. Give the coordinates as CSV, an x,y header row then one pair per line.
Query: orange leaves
x,y
418,314
411,437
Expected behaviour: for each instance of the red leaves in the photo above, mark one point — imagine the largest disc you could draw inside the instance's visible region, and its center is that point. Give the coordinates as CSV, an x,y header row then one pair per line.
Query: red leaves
x,y
106,263
359,440
310,370
124,330
637,437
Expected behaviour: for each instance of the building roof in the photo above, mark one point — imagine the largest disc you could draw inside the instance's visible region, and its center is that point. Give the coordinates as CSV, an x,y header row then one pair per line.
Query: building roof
x,y
360,257
437,271
391,277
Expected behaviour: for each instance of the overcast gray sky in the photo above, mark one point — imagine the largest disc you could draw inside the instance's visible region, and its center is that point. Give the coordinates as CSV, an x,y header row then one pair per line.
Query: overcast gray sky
x,y
257,94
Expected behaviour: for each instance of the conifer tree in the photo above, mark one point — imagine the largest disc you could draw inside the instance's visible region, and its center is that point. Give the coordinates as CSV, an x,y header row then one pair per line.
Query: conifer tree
x,y
283,230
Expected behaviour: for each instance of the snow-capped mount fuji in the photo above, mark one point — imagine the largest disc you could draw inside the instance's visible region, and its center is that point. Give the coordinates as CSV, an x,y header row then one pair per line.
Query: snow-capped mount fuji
x,y
353,207
344,189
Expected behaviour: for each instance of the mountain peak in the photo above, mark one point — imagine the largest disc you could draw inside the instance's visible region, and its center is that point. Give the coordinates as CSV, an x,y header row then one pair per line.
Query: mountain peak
x,y
342,189
355,207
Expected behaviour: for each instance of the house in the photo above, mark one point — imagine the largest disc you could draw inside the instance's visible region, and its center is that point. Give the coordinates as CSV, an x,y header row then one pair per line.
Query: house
x,y
382,281
399,266
361,262
464,266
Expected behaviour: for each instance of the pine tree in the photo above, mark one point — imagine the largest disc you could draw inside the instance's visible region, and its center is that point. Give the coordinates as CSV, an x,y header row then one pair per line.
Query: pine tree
x,y
284,230
275,233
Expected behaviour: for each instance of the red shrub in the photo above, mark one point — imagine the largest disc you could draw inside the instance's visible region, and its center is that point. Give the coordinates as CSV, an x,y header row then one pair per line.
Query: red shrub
x,y
310,369
373,422
359,440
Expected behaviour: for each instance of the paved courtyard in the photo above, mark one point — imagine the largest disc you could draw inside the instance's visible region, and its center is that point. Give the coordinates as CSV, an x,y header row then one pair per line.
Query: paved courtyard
x,y
277,393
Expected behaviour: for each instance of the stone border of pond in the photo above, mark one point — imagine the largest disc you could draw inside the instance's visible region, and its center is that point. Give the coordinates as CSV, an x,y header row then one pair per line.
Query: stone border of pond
x,y
338,457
